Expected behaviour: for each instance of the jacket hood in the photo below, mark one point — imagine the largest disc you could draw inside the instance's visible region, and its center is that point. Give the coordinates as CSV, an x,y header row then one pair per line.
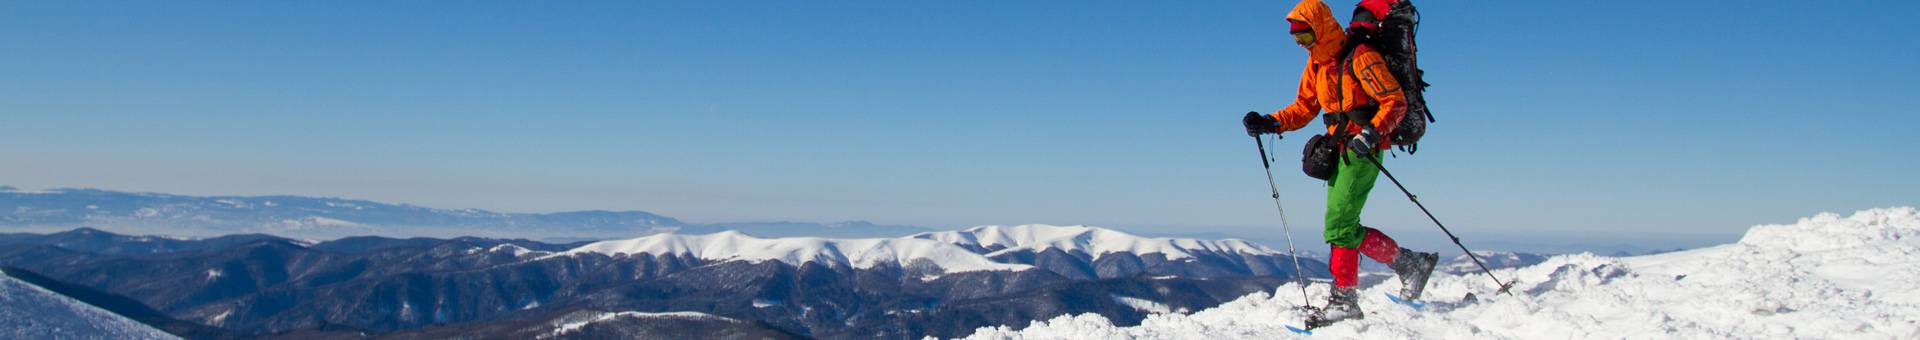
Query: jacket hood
x,y
1328,38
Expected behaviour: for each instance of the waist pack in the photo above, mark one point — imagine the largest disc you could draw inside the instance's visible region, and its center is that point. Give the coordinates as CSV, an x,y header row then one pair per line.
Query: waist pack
x,y
1319,156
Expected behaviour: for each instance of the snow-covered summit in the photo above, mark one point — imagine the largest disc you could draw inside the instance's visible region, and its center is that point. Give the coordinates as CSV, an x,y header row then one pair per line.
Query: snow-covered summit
x,y
1824,277
856,253
1093,241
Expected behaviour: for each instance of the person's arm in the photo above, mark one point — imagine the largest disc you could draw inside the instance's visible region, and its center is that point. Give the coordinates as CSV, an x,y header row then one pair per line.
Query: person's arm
x,y
1378,82
1304,107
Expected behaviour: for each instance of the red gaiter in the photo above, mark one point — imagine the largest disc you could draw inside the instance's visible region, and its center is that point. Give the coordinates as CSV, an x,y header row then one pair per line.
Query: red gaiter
x,y
1345,262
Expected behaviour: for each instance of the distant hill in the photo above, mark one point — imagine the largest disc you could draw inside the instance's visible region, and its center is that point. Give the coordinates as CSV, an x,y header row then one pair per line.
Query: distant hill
x,y
1461,265
328,218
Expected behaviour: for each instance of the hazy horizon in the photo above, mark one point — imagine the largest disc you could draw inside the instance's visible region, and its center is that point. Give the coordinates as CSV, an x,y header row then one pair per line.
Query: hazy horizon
x,y
1420,236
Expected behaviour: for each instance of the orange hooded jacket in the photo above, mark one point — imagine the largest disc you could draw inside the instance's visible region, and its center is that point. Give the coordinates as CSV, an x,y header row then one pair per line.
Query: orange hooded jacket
x,y
1326,86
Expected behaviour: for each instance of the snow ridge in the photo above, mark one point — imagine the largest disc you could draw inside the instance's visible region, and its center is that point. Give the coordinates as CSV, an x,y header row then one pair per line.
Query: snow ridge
x,y
1824,277
1828,231
1090,240
30,312
856,253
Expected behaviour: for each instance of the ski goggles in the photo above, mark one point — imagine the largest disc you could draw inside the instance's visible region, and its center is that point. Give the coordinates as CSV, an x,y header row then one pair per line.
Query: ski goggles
x,y
1304,38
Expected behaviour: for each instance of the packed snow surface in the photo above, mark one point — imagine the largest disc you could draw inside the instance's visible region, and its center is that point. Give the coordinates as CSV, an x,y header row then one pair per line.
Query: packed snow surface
x,y
1828,276
30,312
1090,240
857,253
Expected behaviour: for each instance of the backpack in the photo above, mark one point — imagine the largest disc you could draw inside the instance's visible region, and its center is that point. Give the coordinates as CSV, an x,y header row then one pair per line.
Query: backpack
x,y
1388,28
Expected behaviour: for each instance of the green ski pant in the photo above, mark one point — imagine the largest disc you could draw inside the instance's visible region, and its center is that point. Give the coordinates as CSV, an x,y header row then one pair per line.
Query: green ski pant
x,y
1346,195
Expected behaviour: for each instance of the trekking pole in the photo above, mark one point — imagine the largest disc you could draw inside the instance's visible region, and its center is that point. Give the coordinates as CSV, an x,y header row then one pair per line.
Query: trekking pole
x,y
1504,286
1298,276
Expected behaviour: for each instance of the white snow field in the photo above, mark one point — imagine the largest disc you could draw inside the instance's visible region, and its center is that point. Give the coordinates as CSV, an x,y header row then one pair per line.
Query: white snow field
x,y
1829,276
30,312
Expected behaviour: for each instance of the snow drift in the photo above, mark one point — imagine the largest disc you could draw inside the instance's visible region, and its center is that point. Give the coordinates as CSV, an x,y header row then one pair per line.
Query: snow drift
x,y
1824,277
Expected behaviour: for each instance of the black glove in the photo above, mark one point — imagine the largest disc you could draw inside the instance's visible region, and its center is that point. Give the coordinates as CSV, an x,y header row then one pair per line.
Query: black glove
x,y
1364,142
1258,123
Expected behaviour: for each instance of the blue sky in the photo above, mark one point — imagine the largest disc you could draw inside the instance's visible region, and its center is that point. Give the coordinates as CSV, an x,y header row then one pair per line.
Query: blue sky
x,y
1578,118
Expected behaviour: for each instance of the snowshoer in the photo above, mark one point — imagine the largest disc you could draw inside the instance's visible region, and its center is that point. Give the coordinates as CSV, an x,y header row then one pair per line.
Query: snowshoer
x,y
1363,102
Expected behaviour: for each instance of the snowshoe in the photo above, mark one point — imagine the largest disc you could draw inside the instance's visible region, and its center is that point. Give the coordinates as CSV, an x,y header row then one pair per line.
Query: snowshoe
x,y
1342,304
1413,268
1416,305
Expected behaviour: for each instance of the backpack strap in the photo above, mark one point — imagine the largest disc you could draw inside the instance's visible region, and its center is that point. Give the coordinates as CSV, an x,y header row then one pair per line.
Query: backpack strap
x,y
1346,61
1346,71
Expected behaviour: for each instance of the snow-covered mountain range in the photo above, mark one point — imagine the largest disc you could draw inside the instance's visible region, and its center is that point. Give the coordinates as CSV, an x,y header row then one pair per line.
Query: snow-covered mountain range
x,y
799,287
997,240
1075,251
1829,276
855,253
1084,252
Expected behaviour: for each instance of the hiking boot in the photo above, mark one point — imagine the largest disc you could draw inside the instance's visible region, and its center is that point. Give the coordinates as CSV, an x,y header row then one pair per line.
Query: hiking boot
x,y
1342,304
1413,268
